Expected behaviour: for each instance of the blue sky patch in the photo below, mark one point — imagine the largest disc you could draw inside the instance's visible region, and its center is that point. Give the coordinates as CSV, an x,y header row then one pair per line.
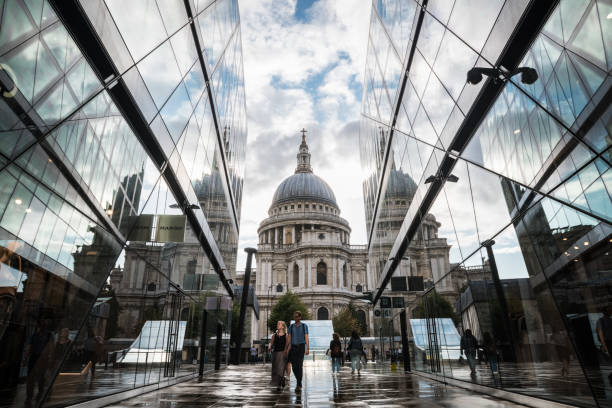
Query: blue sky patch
x,y
301,10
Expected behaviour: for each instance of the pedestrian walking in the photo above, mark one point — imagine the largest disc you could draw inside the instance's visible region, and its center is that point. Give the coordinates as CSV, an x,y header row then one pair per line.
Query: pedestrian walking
x,y
298,333
335,350
490,350
279,346
355,347
469,345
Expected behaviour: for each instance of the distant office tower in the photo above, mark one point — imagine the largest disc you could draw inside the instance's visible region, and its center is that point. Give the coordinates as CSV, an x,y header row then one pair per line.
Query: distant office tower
x,y
122,147
498,114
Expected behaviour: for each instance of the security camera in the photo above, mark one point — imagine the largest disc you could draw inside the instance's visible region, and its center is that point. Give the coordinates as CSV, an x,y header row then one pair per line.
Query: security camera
x,y
474,75
528,75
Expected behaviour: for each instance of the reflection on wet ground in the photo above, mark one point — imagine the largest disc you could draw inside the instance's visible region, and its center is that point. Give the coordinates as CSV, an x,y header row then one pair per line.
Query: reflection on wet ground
x,y
378,385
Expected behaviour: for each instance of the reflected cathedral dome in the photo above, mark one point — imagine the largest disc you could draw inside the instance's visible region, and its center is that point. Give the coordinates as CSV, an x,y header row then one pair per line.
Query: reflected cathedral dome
x,y
400,185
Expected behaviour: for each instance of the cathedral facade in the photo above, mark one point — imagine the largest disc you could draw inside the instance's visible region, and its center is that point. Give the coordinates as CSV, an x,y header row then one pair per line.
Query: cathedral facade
x,y
304,246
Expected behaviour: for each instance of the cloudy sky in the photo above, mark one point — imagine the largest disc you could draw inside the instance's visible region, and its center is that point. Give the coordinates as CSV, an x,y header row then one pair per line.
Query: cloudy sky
x,y
303,62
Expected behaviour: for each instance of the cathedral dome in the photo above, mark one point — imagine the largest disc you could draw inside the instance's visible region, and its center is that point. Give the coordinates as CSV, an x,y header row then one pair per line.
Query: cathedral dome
x,y
400,185
304,187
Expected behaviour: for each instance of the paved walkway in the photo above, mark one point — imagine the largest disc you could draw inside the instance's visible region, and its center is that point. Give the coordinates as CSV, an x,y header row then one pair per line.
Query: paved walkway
x,y
247,386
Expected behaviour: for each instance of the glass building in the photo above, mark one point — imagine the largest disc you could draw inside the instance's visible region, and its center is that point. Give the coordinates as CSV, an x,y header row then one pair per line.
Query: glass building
x,y
516,173
122,148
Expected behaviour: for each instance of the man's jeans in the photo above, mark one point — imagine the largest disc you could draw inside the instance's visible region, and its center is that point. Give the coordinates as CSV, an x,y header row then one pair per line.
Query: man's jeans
x,y
297,361
335,364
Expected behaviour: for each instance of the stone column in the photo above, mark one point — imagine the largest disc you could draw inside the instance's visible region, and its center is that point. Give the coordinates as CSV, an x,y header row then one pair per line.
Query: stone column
x,y
261,272
334,273
302,277
293,234
264,275
342,282
275,236
309,273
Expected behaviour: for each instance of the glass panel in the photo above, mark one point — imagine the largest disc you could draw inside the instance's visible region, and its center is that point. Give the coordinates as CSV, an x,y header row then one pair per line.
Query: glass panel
x,y
160,61
140,25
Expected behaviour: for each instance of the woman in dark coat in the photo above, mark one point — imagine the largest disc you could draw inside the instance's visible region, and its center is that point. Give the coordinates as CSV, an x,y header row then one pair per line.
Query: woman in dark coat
x,y
335,348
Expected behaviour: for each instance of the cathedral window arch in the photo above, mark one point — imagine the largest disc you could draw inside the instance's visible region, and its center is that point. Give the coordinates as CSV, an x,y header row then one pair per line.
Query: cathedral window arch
x,y
322,313
296,276
358,288
321,273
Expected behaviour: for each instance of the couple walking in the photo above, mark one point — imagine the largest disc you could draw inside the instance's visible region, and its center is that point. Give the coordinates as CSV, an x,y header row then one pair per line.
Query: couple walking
x,y
288,347
355,349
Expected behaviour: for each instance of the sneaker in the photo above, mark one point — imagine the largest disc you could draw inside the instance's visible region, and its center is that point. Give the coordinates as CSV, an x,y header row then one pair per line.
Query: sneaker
x,y
352,371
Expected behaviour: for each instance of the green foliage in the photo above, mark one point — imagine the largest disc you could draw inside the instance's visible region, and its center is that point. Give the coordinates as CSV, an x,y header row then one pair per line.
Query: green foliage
x,y
284,307
437,306
236,317
363,327
345,322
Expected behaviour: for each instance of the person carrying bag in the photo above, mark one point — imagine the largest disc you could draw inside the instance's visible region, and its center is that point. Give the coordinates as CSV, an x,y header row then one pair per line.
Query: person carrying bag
x,y
279,347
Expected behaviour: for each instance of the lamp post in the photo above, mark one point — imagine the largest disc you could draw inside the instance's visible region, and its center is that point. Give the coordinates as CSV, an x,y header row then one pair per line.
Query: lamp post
x,y
243,303
268,318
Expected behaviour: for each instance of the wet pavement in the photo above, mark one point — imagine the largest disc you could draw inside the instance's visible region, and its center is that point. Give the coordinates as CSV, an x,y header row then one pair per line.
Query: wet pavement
x,y
378,385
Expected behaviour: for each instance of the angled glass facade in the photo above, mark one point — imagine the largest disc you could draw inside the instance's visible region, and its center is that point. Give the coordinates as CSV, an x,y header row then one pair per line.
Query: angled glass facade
x,y
122,148
516,175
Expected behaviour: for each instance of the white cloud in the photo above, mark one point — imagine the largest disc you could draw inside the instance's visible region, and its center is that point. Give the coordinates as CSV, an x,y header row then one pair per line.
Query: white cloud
x,y
302,74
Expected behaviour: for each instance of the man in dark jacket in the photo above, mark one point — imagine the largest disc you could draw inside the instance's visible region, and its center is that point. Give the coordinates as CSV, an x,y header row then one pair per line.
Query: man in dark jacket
x,y
469,345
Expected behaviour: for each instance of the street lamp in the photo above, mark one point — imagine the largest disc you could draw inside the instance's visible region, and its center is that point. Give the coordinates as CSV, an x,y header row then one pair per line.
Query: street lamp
x,y
268,318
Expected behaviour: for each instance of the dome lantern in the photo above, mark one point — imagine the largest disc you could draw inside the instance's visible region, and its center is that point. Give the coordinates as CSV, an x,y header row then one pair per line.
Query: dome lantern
x,y
303,156
304,185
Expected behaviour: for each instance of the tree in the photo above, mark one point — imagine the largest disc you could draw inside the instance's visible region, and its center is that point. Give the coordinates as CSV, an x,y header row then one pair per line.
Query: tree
x,y
284,307
385,327
345,323
363,327
437,307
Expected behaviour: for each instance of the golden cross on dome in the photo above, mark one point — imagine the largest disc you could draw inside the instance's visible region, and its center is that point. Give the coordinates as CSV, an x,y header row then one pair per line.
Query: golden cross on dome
x,y
303,134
